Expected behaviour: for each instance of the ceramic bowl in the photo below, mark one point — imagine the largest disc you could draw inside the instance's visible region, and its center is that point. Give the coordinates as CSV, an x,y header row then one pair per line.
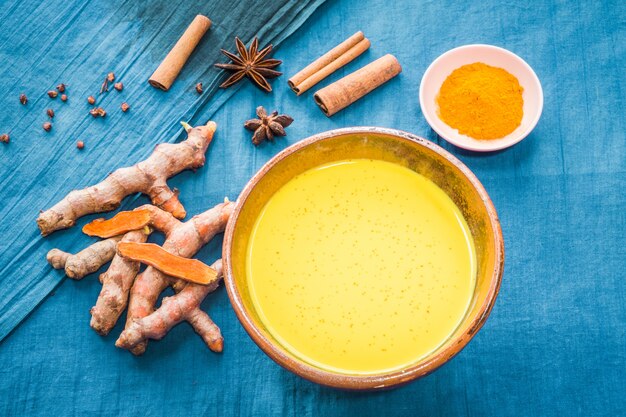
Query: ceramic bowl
x,y
398,147
443,66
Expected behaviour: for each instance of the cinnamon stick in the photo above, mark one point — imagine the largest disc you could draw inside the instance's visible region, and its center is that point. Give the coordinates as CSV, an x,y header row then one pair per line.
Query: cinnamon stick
x,y
352,87
167,72
328,63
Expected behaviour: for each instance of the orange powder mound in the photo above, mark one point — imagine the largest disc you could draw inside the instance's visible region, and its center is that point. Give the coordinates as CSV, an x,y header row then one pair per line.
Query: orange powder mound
x,y
481,101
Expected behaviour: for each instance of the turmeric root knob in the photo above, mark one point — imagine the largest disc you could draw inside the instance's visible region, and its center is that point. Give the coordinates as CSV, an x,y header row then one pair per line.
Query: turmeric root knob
x,y
148,177
85,262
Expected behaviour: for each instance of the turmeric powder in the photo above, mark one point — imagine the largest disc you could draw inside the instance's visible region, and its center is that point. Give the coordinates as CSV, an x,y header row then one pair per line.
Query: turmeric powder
x,y
481,101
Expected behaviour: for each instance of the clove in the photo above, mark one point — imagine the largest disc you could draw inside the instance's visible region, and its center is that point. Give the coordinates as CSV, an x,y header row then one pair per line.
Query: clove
x,y
98,112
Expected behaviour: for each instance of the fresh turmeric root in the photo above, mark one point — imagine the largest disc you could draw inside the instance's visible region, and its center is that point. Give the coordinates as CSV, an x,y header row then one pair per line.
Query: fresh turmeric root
x,y
191,270
121,286
183,306
85,262
148,176
182,239
116,283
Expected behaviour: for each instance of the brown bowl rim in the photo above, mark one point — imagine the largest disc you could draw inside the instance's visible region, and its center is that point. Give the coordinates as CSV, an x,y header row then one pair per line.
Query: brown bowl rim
x,y
370,381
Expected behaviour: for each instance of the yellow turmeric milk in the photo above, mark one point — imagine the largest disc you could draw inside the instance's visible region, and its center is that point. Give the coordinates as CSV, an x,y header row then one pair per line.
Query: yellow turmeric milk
x,y
361,266
481,101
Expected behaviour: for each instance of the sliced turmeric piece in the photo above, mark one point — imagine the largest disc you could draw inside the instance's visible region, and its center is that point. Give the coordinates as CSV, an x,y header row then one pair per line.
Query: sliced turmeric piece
x,y
191,270
121,223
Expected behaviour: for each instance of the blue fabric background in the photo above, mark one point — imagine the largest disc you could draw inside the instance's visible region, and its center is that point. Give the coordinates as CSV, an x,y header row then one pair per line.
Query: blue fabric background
x,y
555,344
78,45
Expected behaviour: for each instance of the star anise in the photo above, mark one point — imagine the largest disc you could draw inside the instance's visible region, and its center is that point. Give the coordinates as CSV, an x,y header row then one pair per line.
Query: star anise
x,y
250,63
267,126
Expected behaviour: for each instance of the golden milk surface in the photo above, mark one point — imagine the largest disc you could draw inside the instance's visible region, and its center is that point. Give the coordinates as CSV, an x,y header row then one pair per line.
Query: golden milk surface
x,y
360,266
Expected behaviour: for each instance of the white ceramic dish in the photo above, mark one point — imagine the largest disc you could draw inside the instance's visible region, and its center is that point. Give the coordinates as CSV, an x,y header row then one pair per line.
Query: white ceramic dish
x,y
443,66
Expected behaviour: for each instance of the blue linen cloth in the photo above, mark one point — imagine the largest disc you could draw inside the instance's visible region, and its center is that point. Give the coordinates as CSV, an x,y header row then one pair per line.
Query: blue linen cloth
x,y
78,44
555,343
